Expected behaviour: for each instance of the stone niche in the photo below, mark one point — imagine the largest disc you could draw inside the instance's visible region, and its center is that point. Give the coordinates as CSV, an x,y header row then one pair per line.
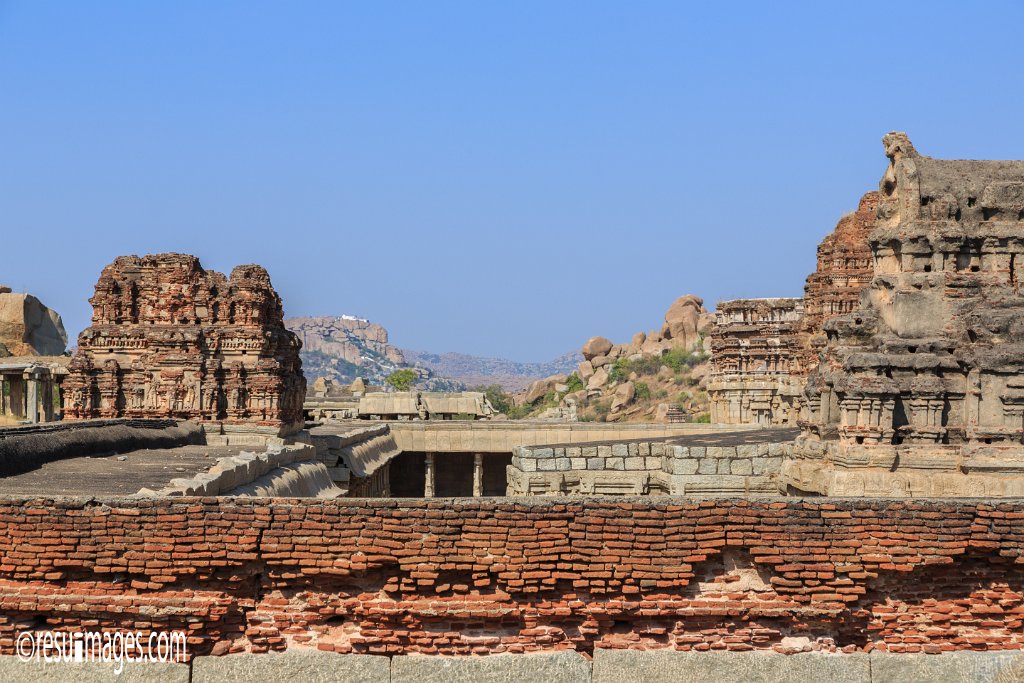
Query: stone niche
x,y
754,348
170,339
920,390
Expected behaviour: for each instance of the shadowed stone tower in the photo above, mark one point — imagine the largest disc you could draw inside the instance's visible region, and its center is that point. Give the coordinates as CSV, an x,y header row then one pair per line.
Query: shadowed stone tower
x,y
169,339
920,390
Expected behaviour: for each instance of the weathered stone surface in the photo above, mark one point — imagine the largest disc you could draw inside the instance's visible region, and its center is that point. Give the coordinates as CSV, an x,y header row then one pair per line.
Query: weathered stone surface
x,y
296,665
669,666
598,379
585,370
685,322
975,667
636,343
169,339
28,328
924,380
596,346
623,395
844,270
13,669
537,390
557,667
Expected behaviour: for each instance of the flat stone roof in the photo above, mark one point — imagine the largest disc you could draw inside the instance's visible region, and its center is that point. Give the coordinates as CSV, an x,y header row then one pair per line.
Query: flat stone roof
x,y
109,476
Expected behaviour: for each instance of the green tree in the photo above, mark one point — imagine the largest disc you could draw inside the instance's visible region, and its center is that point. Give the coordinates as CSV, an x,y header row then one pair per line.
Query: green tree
x,y
498,397
402,380
642,391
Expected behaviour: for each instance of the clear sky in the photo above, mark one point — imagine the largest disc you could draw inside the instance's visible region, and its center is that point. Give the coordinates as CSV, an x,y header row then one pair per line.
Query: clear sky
x,y
494,178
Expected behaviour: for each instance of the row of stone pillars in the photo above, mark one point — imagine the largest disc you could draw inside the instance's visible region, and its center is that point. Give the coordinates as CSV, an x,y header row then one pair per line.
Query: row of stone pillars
x,y
429,470
21,398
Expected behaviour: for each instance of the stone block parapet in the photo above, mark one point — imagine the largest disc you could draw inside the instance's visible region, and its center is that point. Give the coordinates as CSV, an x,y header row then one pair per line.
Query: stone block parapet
x,y
648,468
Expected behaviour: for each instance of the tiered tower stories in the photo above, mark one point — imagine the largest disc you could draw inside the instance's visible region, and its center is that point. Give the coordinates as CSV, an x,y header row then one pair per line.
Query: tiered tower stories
x,y
170,339
754,346
920,390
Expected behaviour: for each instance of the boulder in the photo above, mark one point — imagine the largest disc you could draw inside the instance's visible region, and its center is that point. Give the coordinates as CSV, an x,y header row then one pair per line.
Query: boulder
x,y
623,395
599,361
599,379
683,320
655,347
700,373
28,328
585,370
661,412
638,340
596,346
537,390
616,351
358,387
575,397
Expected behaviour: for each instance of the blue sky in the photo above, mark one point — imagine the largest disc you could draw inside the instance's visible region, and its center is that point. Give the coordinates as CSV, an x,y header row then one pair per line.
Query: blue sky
x,y
494,178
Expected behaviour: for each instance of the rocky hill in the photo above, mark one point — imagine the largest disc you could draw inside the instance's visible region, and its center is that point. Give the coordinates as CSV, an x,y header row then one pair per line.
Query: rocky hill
x,y
480,371
342,348
657,376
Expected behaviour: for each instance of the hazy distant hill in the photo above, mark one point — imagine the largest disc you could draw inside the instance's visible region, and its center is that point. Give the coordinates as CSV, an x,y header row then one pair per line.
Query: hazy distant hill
x,y
479,370
344,347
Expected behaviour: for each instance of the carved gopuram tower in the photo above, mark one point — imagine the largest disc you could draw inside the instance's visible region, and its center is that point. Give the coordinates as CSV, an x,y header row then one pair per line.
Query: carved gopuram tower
x,y
920,390
169,339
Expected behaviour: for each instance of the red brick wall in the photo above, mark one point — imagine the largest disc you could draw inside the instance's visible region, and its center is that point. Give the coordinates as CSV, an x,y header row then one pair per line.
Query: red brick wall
x,y
480,576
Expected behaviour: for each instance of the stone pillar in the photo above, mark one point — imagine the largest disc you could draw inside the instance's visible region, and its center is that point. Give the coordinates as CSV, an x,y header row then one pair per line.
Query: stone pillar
x,y
33,398
478,474
17,402
428,475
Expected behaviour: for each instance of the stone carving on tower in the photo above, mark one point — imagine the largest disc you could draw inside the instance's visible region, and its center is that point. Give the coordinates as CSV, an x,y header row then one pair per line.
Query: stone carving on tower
x,y
170,339
920,389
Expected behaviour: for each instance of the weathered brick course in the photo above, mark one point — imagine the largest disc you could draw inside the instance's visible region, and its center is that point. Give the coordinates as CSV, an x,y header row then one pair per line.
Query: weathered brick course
x,y
490,576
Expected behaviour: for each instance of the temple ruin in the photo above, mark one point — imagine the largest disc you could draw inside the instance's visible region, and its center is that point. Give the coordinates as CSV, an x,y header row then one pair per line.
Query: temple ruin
x,y
763,349
754,356
843,271
921,388
172,340
420,547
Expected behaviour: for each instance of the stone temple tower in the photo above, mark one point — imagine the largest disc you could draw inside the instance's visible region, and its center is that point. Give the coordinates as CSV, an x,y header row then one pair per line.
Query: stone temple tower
x,y
170,339
920,389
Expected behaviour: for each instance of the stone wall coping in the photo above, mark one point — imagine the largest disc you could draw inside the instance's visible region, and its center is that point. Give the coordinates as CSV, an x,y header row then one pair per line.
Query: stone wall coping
x,y
567,666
